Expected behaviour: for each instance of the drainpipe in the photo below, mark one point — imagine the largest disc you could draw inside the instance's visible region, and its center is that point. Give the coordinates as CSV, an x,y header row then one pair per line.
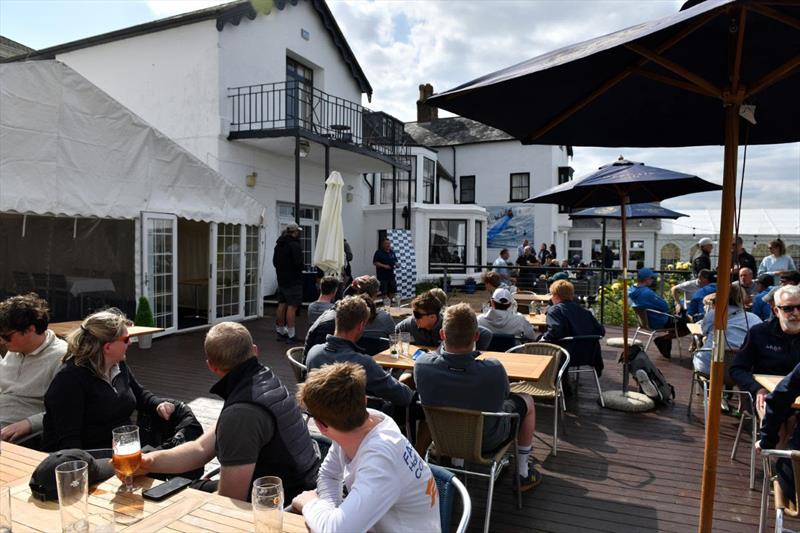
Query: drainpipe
x,y
408,220
297,179
394,197
327,163
455,175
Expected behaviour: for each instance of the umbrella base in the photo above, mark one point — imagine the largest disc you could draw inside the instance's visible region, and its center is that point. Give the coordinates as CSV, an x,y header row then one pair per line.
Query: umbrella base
x,y
631,402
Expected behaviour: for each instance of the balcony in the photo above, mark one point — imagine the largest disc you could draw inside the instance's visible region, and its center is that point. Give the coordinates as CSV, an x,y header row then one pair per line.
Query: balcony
x,y
292,108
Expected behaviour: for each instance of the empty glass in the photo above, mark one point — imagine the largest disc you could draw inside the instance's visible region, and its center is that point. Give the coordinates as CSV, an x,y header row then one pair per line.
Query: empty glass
x,y
267,499
395,344
102,523
5,510
72,484
405,340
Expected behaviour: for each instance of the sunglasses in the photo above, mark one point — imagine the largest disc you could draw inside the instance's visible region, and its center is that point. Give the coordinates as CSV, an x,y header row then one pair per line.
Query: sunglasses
x,y
788,308
419,315
126,339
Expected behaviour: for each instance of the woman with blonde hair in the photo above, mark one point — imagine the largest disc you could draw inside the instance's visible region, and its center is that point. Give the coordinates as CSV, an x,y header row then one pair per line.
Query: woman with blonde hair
x,y
95,391
777,261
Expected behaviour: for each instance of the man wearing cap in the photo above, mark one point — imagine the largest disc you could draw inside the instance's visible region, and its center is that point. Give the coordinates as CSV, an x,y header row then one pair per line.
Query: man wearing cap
x,y
658,317
501,320
33,358
703,261
287,259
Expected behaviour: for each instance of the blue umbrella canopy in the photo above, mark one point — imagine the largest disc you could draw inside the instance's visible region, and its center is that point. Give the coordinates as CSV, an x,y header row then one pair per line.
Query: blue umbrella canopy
x,y
621,182
631,211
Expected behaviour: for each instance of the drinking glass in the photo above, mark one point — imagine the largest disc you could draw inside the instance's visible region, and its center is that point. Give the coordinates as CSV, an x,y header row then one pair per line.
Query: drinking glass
x,y
267,498
127,453
395,344
5,510
72,484
102,523
405,340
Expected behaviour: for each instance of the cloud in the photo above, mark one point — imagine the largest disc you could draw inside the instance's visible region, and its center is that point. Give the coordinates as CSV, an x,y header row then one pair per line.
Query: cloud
x,y
167,8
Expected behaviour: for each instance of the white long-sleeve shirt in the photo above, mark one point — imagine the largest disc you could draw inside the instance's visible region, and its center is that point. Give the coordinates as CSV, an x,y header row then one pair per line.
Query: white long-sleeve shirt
x,y
390,488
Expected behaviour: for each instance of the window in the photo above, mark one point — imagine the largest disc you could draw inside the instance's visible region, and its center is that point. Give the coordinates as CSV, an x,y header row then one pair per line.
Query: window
x,y
670,254
448,246
402,184
564,175
520,186
478,244
467,190
614,246
636,255
299,94
251,271
428,177
575,248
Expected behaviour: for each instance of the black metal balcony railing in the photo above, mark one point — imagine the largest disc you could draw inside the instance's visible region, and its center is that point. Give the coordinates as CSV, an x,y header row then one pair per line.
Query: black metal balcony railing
x,y
291,105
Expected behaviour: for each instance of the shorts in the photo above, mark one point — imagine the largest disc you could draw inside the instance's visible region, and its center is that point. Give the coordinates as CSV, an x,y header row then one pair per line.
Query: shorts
x,y
513,404
388,286
291,295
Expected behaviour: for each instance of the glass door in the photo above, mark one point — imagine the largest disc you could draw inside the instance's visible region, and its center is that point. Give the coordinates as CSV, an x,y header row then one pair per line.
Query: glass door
x,y
227,294
159,267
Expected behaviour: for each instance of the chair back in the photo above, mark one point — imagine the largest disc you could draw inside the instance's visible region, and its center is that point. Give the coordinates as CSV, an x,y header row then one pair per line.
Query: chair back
x,y
23,282
502,343
373,345
583,349
548,383
295,356
41,282
456,432
59,282
448,485
641,317
727,361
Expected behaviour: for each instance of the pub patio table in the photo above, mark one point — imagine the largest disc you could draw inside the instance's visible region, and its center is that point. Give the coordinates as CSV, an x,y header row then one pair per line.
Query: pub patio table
x,y
769,382
62,329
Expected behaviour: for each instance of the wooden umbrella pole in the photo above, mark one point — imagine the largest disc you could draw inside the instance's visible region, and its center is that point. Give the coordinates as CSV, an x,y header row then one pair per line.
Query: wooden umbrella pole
x,y
624,260
709,484
603,274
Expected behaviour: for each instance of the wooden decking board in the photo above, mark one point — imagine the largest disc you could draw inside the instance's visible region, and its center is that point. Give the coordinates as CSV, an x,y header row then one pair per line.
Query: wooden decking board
x,y
614,471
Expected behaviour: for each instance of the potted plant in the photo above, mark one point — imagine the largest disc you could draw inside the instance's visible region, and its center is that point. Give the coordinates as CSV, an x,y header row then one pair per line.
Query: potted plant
x,y
144,318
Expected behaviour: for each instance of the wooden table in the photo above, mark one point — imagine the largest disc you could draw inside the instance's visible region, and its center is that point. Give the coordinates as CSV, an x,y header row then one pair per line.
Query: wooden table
x,y
695,328
769,382
519,366
526,298
188,510
62,329
537,321
399,313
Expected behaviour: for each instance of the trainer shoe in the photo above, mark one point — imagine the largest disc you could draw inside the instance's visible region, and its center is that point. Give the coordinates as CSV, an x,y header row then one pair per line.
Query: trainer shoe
x,y
531,481
644,382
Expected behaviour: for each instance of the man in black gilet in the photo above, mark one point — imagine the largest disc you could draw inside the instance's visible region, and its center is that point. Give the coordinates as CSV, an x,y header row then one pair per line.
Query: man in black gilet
x,y
260,430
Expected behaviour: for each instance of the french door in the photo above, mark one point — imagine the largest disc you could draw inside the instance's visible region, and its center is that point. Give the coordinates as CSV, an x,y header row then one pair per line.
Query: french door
x,y
235,271
159,268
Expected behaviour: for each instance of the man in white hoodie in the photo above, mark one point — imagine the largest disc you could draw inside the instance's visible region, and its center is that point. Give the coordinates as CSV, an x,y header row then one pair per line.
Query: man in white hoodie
x,y
503,319
33,358
389,487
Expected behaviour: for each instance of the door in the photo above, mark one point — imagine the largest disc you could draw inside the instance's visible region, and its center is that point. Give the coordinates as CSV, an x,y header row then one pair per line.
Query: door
x,y
227,290
159,267
299,95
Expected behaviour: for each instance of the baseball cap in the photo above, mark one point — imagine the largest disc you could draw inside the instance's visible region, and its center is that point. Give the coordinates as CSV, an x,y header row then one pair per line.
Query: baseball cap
x,y
766,280
791,276
43,480
293,227
645,273
559,275
502,296
704,241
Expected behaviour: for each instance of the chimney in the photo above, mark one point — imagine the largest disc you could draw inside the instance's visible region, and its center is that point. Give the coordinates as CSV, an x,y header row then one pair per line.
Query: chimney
x,y
426,113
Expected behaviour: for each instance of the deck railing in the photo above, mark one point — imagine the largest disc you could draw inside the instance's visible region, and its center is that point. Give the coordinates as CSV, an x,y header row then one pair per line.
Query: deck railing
x,y
290,105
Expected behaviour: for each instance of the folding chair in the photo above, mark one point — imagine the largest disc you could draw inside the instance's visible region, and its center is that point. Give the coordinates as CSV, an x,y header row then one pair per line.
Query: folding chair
x,y
645,329
447,484
783,506
459,433
576,344
295,356
549,385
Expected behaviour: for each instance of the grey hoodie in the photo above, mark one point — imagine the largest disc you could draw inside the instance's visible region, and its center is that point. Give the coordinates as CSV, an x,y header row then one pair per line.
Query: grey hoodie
x,y
507,322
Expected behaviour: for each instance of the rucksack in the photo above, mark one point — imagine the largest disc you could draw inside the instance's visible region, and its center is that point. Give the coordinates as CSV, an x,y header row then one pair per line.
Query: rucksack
x,y
650,379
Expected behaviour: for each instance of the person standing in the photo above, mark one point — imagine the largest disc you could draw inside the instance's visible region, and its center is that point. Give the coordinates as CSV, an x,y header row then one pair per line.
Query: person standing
x,y
385,262
742,259
703,261
544,253
501,265
347,270
553,254
777,261
521,248
287,258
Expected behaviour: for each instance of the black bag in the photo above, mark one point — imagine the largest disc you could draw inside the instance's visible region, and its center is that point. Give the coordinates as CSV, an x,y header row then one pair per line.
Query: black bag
x,y
650,379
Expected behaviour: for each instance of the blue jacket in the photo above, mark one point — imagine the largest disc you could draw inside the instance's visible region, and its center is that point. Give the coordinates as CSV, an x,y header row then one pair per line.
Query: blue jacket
x,y
760,307
695,309
379,382
767,350
779,408
647,298
568,319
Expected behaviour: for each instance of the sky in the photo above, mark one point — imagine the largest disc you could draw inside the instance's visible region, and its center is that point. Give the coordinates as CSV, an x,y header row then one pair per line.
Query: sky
x,y
401,44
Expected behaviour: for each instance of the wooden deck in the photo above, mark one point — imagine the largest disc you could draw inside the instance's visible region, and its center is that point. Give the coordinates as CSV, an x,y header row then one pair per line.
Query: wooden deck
x,y
614,471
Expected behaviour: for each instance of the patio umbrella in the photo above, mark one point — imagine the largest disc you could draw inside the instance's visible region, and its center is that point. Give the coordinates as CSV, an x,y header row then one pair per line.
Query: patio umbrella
x,y
329,251
638,211
621,183
682,80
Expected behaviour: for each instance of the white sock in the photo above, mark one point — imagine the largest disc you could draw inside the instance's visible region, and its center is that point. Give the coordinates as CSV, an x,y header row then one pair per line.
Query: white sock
x,y
280,329
522,460
290,332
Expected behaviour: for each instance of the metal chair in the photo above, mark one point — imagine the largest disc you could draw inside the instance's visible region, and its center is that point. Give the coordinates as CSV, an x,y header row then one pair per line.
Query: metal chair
x,y
549,385
447,484
576,362
755,423
295,356
459,433
645,329
783,506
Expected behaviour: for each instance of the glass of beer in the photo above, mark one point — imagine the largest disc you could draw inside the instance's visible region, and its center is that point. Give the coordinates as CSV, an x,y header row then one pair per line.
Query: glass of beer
x,y
127,453
267,499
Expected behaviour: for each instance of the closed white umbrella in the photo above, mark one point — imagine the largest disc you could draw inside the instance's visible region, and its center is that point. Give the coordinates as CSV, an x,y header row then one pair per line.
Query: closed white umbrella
x,y
329,252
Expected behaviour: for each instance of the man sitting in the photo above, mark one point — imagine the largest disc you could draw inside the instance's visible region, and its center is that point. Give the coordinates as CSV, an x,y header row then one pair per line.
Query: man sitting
x,y
772,347
565,318
327,292
33,358
747,283
352,315
641,295
260,430
761,306
707,283
454,377
426,322
502,320
688,288
389,486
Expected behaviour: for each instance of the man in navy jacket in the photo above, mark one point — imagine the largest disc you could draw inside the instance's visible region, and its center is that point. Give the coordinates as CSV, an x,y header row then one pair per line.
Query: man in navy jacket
x,y
641,295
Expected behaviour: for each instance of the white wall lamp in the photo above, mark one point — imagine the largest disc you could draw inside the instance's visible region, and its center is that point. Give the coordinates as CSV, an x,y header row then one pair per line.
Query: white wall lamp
x,y
251,179
305,147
